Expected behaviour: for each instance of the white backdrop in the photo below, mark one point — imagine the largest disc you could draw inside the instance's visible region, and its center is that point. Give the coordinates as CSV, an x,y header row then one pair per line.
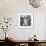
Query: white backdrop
x,y
12,8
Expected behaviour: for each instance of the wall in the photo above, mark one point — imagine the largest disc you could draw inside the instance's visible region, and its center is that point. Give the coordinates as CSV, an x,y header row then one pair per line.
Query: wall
x,y
12,8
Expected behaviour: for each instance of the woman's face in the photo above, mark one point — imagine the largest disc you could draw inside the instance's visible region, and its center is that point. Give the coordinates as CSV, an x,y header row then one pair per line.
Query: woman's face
x,y
25,21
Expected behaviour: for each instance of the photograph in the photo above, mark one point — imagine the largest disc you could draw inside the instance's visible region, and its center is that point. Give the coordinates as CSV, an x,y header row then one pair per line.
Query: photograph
x,y
26,20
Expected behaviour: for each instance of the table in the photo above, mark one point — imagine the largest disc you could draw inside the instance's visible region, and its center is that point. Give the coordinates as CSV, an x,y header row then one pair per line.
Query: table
x,y
27,42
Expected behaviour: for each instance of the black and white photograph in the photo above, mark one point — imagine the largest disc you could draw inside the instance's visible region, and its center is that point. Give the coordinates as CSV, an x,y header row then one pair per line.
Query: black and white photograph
x,y
26,20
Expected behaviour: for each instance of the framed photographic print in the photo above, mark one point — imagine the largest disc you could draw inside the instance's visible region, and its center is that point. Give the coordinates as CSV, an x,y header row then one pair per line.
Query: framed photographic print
x,y
25,20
